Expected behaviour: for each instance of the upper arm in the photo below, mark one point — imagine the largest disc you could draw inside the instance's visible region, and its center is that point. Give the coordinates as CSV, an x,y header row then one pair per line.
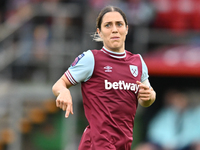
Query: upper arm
x,y
81,69
145,74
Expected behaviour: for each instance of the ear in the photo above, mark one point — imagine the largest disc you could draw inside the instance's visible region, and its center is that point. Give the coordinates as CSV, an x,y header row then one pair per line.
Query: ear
x,y
126,29
99,32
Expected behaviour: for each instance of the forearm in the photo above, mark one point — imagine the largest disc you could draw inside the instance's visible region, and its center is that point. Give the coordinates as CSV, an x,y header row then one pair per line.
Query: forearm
x,y
60,85
61,91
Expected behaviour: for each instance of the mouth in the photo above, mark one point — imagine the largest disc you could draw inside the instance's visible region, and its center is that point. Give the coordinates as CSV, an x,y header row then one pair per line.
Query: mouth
x,y
115,38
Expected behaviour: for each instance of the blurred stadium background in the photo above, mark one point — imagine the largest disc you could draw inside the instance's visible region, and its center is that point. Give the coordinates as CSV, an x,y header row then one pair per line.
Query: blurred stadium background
x,y
40,38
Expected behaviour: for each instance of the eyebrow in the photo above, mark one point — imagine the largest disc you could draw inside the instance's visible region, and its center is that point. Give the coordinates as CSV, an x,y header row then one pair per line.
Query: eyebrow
x,y
114,21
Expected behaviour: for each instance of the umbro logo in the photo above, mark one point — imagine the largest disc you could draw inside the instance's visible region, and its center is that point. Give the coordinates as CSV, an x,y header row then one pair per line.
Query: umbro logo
x,y
108,69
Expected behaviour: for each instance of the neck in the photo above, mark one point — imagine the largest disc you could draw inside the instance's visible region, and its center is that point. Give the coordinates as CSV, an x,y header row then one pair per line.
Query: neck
x,y
114,50
117,50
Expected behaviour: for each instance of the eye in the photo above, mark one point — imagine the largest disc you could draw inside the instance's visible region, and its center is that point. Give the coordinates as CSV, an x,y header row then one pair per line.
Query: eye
x,y
107,25
119,24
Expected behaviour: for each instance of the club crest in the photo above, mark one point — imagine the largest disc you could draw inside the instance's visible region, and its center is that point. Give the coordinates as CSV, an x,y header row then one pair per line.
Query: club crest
x,y
134,70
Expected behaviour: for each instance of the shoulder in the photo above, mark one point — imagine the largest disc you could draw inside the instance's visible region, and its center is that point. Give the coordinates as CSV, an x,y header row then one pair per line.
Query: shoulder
x,y
87,55
83,59
129,54
98,55
95,51
134,57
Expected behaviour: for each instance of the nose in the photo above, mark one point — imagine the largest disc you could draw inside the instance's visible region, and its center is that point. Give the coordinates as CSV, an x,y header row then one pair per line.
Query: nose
x,y
114,29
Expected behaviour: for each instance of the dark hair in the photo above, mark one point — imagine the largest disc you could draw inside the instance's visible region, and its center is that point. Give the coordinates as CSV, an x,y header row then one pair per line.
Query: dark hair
x,y
106,10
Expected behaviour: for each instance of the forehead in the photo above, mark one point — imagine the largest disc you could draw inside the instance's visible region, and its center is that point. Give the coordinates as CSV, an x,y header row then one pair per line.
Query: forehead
x,y
112,16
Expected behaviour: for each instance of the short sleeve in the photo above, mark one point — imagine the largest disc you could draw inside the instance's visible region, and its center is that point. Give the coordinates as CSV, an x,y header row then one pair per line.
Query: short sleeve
x,y
145,74
81,69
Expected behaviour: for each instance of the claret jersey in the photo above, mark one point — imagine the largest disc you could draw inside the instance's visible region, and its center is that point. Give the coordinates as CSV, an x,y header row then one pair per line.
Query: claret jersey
x,y
109,90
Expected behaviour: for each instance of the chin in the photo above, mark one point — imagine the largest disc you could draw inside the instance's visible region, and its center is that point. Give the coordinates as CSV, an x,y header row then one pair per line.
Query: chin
x,y
115,45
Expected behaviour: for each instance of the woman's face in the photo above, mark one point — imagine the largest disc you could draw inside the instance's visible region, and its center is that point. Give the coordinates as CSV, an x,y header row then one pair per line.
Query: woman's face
x,y
113,31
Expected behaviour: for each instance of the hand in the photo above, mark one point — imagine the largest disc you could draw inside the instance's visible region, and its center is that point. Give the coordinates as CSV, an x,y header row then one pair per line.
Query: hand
x,y
144,93
64,101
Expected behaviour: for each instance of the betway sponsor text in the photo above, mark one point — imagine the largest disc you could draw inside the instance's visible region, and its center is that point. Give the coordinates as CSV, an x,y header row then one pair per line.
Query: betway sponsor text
x,y
122,85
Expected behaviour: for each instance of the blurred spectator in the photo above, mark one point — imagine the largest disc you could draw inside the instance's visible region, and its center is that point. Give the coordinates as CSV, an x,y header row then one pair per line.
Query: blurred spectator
x,y
40,39
146,146
140,13
99,4
176,126
14,5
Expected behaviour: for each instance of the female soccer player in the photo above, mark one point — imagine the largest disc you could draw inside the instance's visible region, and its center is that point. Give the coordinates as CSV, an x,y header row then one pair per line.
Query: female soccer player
x,y
113,81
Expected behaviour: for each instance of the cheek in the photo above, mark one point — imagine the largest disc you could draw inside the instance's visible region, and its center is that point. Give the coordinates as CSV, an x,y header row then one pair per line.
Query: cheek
x,y
124,35
123,32
106,36
102,34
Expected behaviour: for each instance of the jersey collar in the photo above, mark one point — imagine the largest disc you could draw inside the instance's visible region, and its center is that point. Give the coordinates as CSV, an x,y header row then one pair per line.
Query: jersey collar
x,y
114,54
